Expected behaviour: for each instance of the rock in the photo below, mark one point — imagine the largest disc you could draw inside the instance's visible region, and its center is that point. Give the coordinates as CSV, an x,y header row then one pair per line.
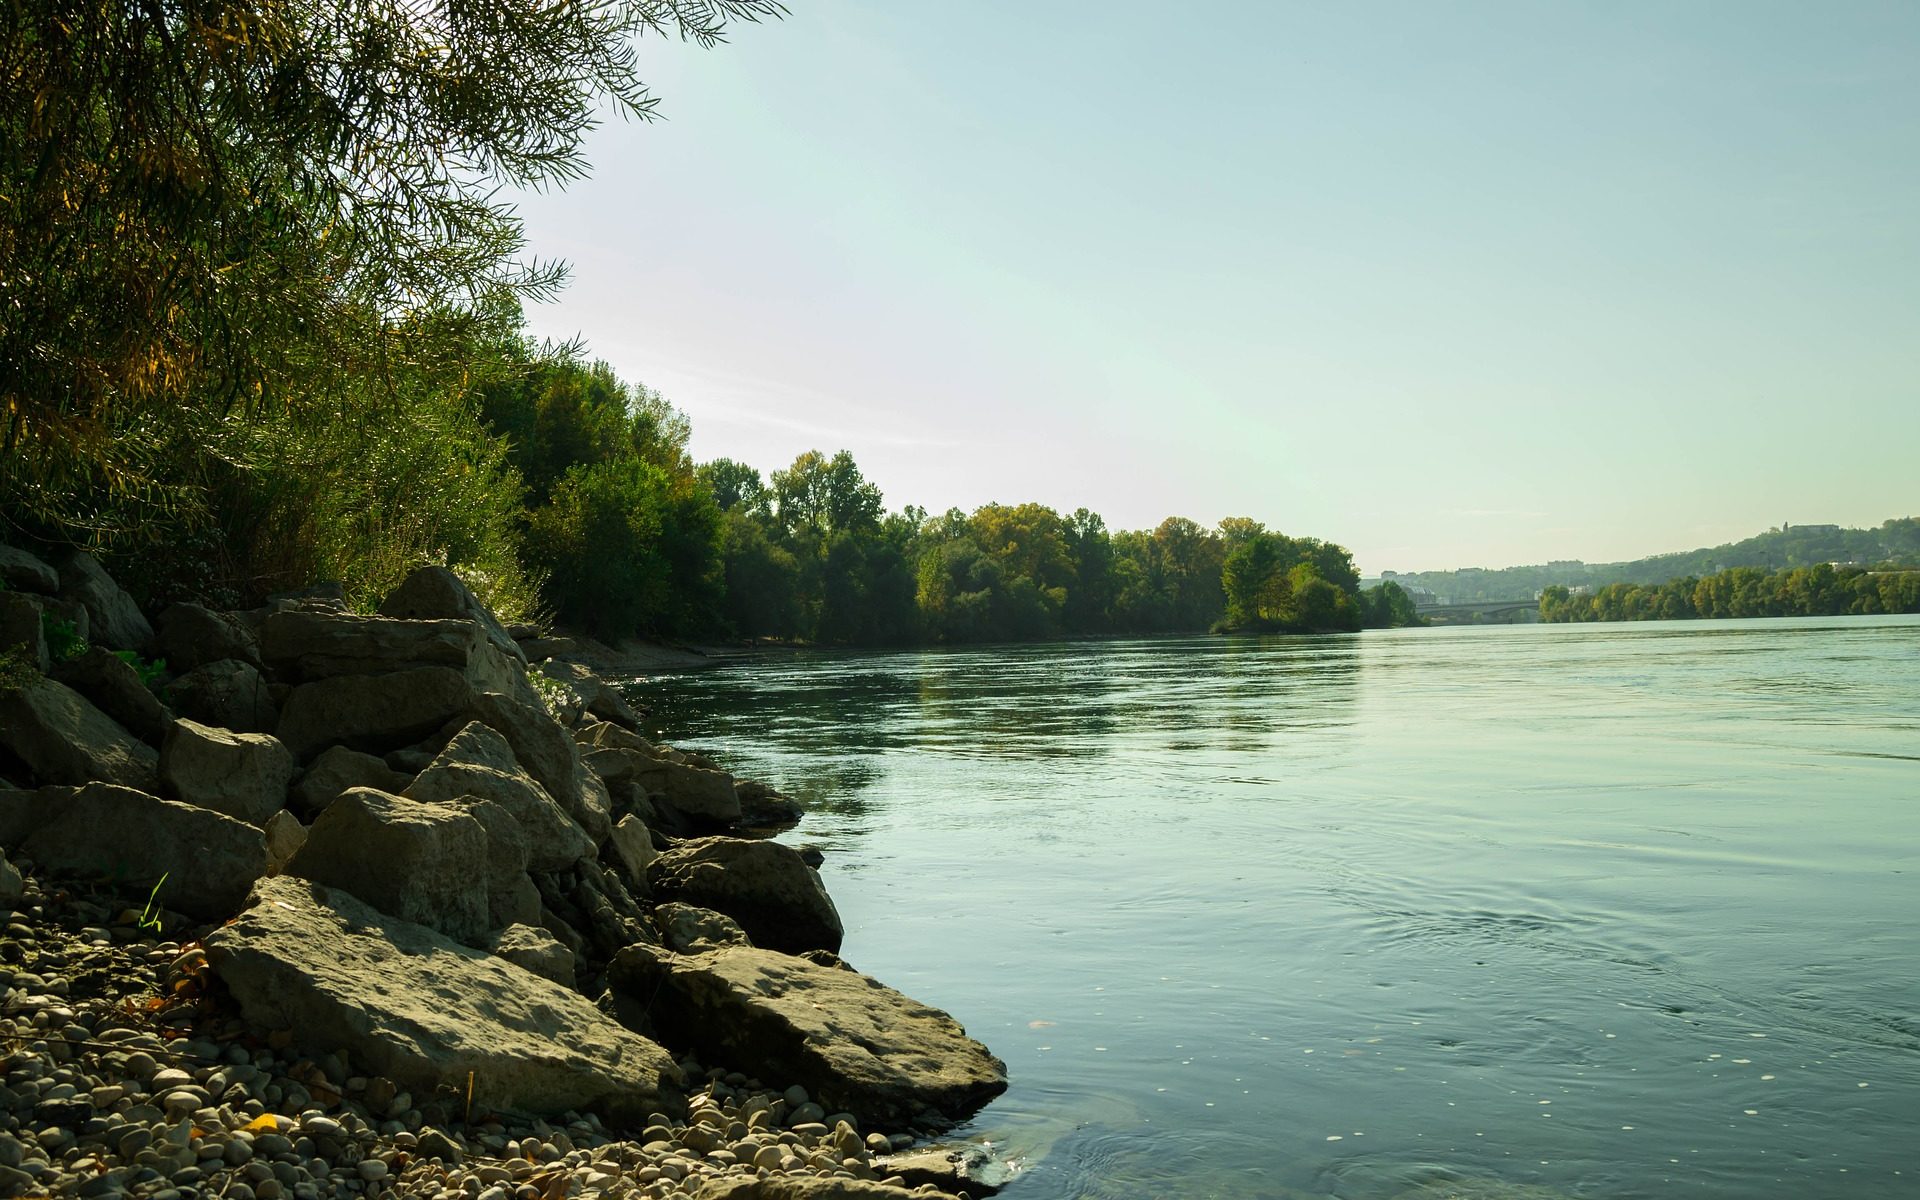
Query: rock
x,y
437,593
948,1168
12,887
512,898
689,930
285,835
315,643
226,693
402,1001
852,1042
20,629
479,762
599,698
64,739
373,713
244,775
548,754
337,769
424,863
207,860
22,572
534,949
115,689
763,808
633,847
189,636
113,618
776,897
691,798
804,1187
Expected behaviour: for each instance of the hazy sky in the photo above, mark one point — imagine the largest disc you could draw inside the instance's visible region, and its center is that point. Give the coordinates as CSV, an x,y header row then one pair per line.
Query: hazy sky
x,y
1449,283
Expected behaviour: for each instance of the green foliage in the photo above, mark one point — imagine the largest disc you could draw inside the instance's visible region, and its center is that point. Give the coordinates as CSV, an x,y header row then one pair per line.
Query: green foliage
x,y
628,532
629,548
1274,582
1819,590
1388,606
63,637
150,915
1893,543
150,670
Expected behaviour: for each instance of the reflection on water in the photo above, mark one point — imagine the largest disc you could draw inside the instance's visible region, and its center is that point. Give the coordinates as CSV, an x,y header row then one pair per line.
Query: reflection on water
x,y
1521,911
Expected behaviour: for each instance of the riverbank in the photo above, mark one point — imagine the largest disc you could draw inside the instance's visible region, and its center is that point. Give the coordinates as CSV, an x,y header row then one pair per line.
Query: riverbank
x,y
346,905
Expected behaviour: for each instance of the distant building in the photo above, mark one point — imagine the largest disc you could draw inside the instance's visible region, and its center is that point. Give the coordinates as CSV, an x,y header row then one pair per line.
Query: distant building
x,y
1786,528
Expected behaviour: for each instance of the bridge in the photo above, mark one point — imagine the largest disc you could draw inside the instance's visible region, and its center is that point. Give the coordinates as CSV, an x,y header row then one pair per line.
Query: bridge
x,y
1484,612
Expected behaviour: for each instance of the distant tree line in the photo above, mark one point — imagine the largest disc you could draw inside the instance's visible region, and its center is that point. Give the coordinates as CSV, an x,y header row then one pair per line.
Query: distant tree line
x,y
1895,543
1820,590
809,553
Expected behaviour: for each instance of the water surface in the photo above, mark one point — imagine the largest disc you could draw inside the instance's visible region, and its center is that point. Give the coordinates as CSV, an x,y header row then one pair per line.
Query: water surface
x,y
1595,911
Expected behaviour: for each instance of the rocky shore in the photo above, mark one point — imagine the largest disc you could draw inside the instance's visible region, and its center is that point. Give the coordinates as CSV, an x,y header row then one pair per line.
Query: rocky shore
x,y
302,903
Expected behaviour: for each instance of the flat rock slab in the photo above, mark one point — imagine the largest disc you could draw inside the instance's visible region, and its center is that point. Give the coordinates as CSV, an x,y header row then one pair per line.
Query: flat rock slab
x,y
373,713
406,1003
319,643
202,861
802,1187
852,1042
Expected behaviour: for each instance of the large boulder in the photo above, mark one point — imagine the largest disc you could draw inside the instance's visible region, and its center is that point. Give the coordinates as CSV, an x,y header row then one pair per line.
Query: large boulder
x,y
404,1002
112,616
335,770
512,898
64,739
319,643
549,755
201,861
115,689
852,1042
479,762
244,775
761,807
692,799
596,695
228,693
188,636
20,629
23,572
373,713
432,593
632,845
691,930
425,863
765,886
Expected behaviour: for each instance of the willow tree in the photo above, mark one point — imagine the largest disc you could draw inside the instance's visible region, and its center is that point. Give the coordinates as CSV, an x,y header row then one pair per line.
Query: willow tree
x,y
211,206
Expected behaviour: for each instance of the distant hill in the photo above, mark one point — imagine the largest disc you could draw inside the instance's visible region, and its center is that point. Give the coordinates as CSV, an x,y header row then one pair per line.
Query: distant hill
x,y
1897,542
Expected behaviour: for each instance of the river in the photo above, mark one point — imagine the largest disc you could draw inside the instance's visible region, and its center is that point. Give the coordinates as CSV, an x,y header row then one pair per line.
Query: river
x,y
1625,910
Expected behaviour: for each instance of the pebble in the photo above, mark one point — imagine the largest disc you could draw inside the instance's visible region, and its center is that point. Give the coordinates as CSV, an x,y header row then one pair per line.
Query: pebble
x,y
104,1106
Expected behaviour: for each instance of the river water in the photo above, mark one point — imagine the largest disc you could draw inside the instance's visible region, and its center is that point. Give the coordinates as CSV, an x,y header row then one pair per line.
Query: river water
x,y
1531,911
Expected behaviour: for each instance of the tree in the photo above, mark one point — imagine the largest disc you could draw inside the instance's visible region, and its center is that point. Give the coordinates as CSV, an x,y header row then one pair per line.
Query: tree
x,y
736,486
210,208
819,495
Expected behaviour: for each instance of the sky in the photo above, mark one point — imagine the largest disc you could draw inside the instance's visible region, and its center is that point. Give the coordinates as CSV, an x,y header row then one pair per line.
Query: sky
x,y
1451,284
